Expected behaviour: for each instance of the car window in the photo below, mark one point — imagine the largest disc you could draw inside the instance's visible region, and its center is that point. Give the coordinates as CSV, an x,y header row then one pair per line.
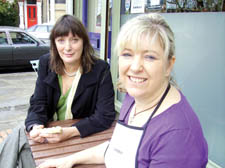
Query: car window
x,y
30,29
41,29
21,38
3,38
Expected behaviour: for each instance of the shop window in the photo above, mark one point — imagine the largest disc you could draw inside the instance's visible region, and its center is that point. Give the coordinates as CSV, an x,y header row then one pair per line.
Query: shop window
x,y
167,6
60,1
31,1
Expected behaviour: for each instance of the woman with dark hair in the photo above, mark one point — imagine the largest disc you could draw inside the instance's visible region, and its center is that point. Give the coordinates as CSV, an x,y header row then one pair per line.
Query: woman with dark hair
x,y
65,25
72,83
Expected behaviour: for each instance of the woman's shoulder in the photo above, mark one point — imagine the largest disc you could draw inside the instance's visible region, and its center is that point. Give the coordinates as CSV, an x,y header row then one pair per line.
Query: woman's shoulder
x,y
179,116
44,59
44,65
100,66
100,63
176,129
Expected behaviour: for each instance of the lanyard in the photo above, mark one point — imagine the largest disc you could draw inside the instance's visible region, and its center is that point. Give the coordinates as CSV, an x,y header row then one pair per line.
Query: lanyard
x,y
153,113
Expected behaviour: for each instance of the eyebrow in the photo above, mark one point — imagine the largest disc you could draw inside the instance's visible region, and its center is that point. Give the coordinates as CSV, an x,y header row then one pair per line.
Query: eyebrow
x,y
145,51
127,49
150,51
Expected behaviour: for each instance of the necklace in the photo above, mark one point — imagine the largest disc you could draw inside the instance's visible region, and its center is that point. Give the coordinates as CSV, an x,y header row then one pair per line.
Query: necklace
x,y
70,74
155,110
137,113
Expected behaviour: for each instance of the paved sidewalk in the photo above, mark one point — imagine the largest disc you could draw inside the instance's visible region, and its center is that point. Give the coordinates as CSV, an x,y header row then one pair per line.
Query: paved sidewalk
x,y
15,92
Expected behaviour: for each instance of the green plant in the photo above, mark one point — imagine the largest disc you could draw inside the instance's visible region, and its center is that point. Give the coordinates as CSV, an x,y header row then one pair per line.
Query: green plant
x,y
9,13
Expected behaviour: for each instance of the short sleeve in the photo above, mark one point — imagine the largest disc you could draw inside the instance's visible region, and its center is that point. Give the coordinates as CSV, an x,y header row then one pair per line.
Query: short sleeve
x,y
177,148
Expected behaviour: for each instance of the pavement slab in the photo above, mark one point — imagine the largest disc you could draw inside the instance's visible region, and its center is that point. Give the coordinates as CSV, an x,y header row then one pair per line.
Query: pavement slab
x,y
15,92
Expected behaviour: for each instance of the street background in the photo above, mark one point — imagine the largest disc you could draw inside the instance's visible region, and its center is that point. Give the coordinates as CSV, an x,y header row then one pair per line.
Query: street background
x,y
15,91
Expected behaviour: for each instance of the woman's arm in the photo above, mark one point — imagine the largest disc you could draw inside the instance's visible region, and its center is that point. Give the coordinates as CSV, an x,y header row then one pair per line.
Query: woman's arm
x,y
102,107
38,109
93,155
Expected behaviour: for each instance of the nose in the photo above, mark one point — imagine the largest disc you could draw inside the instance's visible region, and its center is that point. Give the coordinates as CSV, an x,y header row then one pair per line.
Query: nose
x,y
137,64
68,45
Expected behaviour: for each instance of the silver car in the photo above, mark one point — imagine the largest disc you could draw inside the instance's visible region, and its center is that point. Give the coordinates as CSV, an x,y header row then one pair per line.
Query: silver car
x,y
41,31
18,48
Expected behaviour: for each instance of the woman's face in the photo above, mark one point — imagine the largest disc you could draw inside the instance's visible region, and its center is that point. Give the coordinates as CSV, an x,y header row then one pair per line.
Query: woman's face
x,y
143,70
70,48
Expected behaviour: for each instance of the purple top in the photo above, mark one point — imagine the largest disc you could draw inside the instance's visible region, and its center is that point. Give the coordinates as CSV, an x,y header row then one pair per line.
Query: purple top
x,y
173,139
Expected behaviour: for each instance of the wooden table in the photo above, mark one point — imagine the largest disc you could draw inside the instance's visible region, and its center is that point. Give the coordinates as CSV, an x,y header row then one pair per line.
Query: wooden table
x,y
42,152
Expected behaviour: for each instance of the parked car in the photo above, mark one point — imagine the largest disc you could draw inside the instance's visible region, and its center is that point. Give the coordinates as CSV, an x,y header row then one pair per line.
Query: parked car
x,y
18,48
41,31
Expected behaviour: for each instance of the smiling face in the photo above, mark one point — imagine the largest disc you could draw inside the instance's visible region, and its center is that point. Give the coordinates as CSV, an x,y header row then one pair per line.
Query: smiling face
x,y
143,69
70,49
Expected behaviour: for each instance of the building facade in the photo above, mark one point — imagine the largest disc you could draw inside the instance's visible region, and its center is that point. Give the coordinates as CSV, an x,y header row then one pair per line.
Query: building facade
x,y
33,12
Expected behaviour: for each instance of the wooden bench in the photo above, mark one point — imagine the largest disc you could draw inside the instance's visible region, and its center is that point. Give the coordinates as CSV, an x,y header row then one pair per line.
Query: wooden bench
x,y
42,152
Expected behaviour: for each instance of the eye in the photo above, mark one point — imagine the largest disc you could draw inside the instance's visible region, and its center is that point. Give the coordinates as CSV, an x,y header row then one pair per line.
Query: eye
x,y
75,39
150,57
126,54
60,40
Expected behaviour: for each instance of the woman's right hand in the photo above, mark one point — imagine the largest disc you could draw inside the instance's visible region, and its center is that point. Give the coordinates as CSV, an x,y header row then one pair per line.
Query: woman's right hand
x,y
35,132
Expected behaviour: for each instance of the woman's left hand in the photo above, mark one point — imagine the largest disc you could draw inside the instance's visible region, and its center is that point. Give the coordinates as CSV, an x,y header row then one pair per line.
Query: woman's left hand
x,y
67,132
57,163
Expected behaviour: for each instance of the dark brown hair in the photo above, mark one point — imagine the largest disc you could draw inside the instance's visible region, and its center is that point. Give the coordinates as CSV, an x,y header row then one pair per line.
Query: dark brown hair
x,y
63,27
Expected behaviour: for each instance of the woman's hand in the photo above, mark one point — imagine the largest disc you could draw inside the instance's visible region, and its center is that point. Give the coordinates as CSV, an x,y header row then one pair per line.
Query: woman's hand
x,y
35,132
57,163
67,132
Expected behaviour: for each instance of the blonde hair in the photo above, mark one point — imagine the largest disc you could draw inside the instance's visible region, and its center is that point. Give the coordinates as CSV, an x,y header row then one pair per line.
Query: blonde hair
x,y
152,26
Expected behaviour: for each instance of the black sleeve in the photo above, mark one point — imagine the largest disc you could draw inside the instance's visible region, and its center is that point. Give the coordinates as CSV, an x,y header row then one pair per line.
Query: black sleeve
x,y
37,112
104,113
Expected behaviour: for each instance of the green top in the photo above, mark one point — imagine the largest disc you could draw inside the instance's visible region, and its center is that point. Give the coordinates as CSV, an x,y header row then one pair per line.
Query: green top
x,y
62,104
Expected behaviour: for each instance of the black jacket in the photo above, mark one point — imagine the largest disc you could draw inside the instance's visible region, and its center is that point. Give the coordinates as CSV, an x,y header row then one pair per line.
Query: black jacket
x,y
93,100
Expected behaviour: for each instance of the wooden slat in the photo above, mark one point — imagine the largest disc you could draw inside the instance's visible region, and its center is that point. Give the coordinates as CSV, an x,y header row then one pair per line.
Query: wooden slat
x,y
42,152
62,123
59,151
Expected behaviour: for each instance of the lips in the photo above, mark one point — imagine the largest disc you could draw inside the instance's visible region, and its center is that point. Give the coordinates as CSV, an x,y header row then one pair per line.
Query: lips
x,y
68,55
137,79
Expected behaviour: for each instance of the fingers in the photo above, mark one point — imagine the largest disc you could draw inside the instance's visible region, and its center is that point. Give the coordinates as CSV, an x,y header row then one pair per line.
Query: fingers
x,y
35,132
48,135
38,126
39,139
51,138
38,135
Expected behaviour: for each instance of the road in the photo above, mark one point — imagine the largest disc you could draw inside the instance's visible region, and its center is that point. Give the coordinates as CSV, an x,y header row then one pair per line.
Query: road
x,y
15,91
